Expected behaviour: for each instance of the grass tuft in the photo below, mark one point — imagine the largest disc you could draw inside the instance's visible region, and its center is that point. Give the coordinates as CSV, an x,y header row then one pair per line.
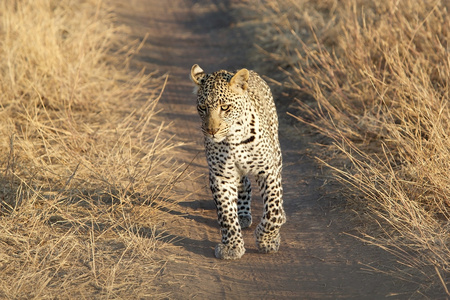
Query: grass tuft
x,y
83,162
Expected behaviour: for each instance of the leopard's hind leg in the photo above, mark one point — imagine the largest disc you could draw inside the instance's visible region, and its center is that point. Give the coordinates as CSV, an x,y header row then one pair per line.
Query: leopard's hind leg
x,y
244,202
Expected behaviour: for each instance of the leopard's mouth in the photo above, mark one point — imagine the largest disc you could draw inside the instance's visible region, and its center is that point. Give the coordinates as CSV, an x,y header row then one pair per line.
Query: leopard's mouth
x,y
216,138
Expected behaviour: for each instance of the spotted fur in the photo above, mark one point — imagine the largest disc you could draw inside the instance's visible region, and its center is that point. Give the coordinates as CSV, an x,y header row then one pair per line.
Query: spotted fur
x,y
240,127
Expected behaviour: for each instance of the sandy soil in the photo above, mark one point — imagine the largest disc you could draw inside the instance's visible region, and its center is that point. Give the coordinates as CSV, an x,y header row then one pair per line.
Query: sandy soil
x,y
316,259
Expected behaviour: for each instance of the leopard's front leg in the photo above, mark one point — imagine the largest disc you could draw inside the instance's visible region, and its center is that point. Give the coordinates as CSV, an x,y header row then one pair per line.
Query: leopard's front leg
x,y
225,193
268,231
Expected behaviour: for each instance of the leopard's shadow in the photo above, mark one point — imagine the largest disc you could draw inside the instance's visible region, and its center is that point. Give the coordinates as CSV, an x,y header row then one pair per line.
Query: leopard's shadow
x,y
201,214
201,211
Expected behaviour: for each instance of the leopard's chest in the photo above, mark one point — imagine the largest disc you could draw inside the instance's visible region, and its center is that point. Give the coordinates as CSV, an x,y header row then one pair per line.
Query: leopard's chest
x,y
248,159
251,155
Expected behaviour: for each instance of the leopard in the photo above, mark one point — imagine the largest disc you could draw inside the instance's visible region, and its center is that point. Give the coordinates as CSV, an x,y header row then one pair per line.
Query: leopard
x,y
240,130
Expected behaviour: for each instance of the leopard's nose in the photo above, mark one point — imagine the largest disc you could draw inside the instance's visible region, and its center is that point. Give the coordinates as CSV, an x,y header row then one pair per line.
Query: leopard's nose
x,y
213,131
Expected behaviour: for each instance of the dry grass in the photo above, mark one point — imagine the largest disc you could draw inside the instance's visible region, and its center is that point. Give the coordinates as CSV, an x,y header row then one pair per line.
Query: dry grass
x,y
81,156
379,74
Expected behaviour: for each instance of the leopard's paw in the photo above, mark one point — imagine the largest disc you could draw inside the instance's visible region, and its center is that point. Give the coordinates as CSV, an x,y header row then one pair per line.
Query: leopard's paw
x,y
245,221
229,251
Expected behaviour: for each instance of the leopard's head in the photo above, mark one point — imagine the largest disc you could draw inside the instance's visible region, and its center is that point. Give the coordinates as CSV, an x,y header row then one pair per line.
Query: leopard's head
x,y
220,98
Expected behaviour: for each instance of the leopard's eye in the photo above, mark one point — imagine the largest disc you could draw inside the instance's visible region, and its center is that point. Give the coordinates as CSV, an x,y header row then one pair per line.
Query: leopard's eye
x,y
202,107
225,107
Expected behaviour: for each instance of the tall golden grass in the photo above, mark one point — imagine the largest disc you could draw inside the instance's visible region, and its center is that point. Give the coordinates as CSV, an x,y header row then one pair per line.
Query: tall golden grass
x,y
81,156
379,74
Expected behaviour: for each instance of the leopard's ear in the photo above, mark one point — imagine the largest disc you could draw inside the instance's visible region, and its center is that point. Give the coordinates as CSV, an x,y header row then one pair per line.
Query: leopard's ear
x,y
239,82
197,74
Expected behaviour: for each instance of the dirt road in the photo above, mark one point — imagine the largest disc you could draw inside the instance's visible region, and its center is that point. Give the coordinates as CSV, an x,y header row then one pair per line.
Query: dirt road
x,y
316,260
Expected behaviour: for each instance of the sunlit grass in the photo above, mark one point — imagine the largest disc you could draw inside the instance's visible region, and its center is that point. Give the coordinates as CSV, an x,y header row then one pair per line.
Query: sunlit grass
x,y
374,77
83,162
